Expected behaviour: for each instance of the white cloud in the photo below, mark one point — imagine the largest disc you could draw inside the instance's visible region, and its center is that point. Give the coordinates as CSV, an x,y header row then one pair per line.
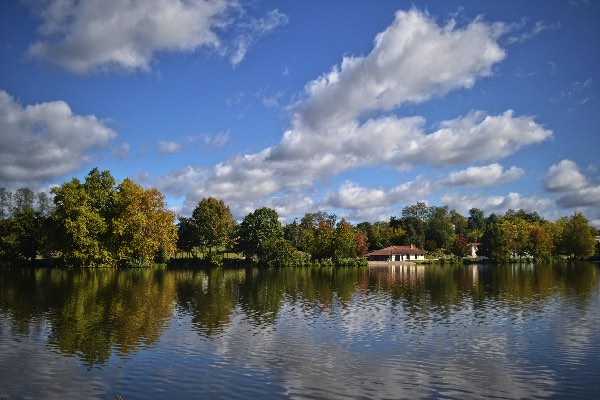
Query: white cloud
x,y
587,197
577,191
46,140
489,175
84,36
216,140
353,196
121,151
253,31
326,137
168,147
496,204
413,60
538,27
564,177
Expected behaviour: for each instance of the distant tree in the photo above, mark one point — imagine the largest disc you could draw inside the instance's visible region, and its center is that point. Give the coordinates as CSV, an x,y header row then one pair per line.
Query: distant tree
x,y
323,242
414,223
577,238
23,199
214,224
344,241
493,242
43,204
460,222
476,220
5,203
460,246
517,233
185,235
362,244
258,232
143,229
439,227
540,241
81,229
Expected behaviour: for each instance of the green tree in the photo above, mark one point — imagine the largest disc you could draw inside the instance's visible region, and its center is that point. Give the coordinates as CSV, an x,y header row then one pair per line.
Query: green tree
x,y
185,235
439,227
476,220
541,243
23,199
214,224
517,233
81,229
460,223
323,241
493,242
344,241
577,238
258,232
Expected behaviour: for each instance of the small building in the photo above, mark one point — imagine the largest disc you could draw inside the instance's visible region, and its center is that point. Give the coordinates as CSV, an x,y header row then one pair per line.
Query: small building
x,y
397,253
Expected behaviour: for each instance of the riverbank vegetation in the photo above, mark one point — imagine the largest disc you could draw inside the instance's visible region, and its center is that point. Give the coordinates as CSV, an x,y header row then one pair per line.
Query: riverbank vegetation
x,y
99,223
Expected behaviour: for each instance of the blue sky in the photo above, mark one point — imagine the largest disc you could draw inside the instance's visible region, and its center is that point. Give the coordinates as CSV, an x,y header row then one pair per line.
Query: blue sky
x,y
353,107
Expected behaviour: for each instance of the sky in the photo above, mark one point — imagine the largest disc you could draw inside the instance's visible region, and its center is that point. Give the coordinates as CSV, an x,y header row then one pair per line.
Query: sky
x,y
358,108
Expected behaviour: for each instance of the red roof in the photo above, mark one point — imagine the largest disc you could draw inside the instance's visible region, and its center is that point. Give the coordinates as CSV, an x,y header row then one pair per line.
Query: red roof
x,y
396,250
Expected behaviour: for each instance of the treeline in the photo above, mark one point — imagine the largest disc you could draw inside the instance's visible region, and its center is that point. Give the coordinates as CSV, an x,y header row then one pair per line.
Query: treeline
x,y
90,223
260,237
99,223
515,236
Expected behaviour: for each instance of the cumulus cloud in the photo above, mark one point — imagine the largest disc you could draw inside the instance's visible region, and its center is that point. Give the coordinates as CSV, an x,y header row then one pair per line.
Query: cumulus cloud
x,y
352,196
327,136
45,141
497,204
168,147
576,189
489,175
413,60
84,36
564,177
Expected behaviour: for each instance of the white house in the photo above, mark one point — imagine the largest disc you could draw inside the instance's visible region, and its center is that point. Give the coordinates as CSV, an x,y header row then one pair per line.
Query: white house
x,y
397,253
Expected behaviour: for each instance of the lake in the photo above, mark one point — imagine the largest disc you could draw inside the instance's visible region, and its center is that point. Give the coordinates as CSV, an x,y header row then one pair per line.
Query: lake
x,y
513,331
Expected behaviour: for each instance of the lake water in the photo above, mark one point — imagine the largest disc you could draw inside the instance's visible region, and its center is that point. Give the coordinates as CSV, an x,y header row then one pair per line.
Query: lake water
x,y
389,332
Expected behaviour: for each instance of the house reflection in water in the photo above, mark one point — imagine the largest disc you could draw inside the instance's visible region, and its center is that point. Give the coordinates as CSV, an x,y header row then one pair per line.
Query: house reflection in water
x,y
396,273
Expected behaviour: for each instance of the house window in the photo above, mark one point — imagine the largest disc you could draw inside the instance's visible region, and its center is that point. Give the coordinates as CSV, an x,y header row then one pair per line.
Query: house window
x,y
397,257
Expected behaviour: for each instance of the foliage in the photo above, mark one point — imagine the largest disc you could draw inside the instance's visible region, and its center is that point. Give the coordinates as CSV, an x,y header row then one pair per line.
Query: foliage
x,y
577,237
142,229
494,244
213,224
344,242
258,233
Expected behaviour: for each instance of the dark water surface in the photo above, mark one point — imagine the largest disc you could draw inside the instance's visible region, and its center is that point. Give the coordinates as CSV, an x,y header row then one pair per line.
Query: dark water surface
x,y
419,332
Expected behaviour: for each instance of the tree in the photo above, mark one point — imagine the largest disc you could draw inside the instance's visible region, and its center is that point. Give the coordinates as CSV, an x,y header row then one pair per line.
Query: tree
x,y
476,220
81,229
323,241
439,227
185,235
143,230
517,233
577,239
460,223
5,203
23,199
540,240
493,242
344,241
214,224
258,232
